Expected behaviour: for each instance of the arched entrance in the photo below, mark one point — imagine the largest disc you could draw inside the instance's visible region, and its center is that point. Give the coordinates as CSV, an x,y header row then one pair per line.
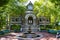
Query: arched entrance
x,y
30,20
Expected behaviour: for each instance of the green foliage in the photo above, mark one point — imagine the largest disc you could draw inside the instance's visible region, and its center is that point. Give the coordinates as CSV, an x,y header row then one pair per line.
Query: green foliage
x,y
23,1
49,8
6,31
57,2
15,27
53,31
13,8
3,2
43,8
1,33
2,21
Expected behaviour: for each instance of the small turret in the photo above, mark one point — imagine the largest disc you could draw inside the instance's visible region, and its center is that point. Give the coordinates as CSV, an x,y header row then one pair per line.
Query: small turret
x,y
30,6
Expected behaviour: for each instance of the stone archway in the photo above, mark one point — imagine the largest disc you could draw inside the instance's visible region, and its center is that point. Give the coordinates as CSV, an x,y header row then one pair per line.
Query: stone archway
x,y
30,20
32,16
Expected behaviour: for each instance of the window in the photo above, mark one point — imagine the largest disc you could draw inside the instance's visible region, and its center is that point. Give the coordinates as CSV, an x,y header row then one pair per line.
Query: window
x,y
40,19
47,20
13,19
17,19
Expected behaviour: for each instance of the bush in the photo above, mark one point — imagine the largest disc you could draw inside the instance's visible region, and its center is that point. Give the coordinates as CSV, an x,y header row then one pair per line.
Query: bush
x,y
52,31
6,31
46,27
1,33
49,26
42,27
16,28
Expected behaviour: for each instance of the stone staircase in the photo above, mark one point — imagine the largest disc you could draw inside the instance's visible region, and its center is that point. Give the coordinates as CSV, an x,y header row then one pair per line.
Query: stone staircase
x,y
33,28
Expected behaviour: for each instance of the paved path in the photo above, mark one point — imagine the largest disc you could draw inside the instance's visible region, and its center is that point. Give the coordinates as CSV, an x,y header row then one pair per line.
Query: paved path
x,y
12,36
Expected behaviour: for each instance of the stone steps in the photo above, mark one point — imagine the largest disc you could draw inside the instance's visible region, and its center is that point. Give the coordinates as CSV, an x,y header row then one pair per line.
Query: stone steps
x,y
33,28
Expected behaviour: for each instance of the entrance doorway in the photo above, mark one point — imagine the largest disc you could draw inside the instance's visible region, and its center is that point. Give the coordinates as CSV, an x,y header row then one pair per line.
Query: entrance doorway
x,y
30,20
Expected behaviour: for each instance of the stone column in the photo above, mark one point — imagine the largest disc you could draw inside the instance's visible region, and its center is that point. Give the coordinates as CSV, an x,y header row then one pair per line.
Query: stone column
x,y
26,21
34,23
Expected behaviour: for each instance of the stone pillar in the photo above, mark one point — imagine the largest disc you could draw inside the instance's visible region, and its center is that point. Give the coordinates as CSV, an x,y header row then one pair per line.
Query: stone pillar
x,y
26,21
34,23
9,27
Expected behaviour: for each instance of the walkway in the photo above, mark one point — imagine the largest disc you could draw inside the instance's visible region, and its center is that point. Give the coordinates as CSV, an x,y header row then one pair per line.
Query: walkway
x,y
12,36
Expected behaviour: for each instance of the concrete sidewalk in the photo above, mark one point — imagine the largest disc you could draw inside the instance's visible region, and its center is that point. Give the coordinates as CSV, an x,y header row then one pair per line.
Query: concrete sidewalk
x,y
46,36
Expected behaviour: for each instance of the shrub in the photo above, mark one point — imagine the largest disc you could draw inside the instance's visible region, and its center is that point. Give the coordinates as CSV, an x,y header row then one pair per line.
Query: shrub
x,y
1,33
13,27
52,31
6,31
16,28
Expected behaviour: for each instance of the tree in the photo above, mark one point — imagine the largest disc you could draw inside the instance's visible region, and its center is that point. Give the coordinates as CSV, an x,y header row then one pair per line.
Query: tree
x,y
3,2
57,11
14,7
49,8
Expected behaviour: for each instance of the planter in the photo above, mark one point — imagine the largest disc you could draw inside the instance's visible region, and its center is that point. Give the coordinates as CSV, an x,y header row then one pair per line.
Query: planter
x,y
6,31
1,33
52,31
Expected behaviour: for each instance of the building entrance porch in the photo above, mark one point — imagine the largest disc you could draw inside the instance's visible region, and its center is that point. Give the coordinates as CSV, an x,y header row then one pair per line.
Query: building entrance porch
x,y
30,22
30,19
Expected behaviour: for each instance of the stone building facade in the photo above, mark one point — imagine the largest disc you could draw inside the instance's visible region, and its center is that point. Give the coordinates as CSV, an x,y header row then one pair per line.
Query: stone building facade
x,y
29,20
